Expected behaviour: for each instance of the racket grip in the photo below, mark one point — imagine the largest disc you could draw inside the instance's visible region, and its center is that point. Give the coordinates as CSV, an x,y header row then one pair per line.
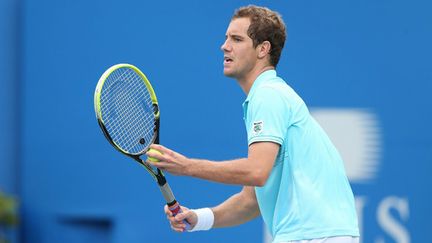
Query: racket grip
x,y
176,209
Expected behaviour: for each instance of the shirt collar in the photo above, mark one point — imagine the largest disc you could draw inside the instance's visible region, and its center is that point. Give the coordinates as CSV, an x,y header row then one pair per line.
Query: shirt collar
x,y
266,75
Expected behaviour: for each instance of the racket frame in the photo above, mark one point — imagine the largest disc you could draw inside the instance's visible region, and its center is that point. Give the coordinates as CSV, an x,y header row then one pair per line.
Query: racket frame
x,y
158,175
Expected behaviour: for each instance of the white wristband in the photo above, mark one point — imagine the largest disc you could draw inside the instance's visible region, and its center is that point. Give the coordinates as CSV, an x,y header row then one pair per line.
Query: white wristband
x,y
205,219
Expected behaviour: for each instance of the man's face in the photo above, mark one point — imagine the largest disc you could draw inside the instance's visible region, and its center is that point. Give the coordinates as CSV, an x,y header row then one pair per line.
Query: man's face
x,y
239,54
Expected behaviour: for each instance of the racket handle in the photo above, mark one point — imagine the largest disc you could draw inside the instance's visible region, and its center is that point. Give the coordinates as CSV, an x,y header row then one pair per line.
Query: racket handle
x,y
176,209
173,205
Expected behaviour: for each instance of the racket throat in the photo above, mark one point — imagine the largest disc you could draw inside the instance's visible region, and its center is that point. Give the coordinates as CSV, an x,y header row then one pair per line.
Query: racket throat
x,y
160,179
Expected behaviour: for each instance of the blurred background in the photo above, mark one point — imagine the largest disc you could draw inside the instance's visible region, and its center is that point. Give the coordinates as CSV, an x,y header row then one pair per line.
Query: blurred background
x,y
363,67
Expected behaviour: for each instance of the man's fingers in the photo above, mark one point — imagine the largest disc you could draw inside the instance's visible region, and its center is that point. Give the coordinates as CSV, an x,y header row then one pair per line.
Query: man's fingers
x,y
181,216
159,148
160,165
177,225
178,229
167,211
155,155
176,222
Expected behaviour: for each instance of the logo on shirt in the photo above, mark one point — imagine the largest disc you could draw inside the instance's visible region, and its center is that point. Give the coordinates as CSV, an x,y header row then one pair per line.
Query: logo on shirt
x,y
257,127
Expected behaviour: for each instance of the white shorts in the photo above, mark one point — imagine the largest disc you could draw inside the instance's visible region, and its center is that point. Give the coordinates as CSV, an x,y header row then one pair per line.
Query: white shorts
x,y
336,239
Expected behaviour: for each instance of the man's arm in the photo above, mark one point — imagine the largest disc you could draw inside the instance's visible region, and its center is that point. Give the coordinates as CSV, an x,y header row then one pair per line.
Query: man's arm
x,y
251,171
238,209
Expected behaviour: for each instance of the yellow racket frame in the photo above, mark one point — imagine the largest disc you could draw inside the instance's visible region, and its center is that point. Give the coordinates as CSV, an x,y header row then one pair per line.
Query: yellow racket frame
x,y
104,77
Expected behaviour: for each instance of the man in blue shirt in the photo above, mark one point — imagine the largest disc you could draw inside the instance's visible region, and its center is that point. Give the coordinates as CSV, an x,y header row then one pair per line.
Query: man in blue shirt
x,y
293,175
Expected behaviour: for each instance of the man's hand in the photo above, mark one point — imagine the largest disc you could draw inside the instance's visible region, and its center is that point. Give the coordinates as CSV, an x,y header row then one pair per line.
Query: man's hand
x,y
177,223
169,160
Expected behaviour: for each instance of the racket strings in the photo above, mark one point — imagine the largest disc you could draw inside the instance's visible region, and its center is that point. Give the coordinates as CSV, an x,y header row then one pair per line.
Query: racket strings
x,y
127,111
132,123
122,104
115,127
127,107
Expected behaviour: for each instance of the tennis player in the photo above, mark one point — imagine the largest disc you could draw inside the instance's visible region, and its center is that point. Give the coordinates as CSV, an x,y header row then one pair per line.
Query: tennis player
x,y
293,176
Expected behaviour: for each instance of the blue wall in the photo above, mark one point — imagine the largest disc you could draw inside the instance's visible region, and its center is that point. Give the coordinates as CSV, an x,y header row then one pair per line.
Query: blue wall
x,y
9,103
370,58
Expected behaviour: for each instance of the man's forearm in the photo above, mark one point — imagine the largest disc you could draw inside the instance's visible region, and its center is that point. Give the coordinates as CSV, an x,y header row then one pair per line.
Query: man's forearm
x,y
238,209
251,171
239,171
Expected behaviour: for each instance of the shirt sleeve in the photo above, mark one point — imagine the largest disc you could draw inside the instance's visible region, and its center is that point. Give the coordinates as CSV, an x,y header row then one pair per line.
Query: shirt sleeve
x,y
268,116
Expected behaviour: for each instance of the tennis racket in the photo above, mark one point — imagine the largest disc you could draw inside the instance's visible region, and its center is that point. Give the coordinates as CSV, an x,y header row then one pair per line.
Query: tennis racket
x,y
128,113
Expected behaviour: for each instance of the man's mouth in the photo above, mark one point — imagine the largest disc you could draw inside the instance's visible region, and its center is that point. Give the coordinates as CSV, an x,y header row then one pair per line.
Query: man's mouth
x,y
227,59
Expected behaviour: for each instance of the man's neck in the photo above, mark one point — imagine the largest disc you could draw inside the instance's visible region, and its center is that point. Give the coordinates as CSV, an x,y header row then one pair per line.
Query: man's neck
x,y
247,82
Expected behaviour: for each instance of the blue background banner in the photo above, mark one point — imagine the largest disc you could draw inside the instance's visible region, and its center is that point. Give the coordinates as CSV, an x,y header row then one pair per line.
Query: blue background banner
x,y
363,67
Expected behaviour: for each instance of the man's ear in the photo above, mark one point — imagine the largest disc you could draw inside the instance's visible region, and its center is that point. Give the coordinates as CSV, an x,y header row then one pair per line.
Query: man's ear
x,y
264,49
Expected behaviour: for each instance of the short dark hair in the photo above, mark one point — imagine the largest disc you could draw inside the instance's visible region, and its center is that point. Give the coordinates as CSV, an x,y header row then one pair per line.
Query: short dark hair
x,y
265,25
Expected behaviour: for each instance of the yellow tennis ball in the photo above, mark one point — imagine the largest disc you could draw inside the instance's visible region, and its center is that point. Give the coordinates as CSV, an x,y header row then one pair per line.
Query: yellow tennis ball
x,y
151,158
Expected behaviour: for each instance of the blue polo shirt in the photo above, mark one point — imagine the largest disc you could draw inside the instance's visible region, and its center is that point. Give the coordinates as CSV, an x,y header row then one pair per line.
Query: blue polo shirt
x,y
307,195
